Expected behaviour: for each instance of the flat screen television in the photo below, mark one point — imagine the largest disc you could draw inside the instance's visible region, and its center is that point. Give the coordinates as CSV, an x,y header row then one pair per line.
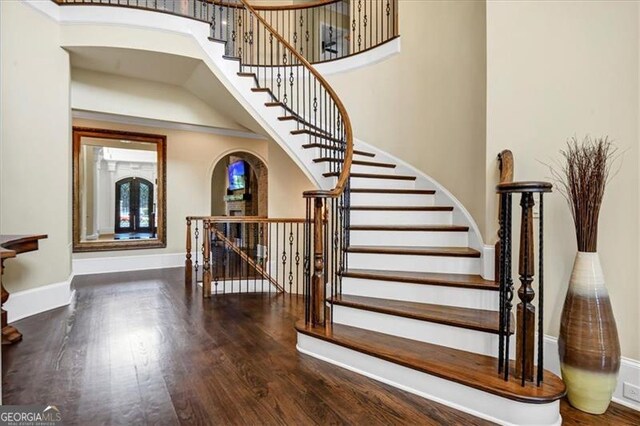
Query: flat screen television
x,y
237,175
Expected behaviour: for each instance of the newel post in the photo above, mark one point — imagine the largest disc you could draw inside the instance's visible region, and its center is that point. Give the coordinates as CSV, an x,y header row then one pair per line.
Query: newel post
x,y
206,267
526,312
317,283
188,264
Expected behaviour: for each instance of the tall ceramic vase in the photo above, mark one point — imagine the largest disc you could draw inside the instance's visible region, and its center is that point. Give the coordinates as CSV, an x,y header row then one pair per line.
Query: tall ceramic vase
x,y
588,343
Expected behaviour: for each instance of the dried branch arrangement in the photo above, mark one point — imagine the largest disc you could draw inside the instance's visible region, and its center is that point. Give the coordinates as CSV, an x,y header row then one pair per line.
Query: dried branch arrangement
x,y
581,178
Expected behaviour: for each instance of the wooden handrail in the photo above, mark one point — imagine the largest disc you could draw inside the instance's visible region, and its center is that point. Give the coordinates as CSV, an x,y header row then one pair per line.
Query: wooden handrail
x,y
309,5
247,219
346,166
525,186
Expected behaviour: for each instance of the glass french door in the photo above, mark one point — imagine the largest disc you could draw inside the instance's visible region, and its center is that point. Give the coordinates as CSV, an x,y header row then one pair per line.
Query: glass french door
x,y
134,206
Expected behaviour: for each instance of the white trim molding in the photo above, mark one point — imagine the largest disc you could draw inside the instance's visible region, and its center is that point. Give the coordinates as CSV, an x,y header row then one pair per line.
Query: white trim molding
x,y
102,265
629,371
172,125
22,304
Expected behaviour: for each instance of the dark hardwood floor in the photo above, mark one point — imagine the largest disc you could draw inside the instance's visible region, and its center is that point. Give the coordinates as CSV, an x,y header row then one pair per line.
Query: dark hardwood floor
x,y
139,348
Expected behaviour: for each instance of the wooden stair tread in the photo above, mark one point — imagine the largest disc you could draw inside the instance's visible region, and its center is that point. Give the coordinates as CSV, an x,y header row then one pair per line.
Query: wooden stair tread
x,y
355,162
417,251
428,278
274,104
404,208
372,176
336,148
414,228
473,319
317,135
392,191
291,117
469,369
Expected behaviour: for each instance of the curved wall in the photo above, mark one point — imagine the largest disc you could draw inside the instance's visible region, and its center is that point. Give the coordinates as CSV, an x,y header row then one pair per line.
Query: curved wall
x,y
426,105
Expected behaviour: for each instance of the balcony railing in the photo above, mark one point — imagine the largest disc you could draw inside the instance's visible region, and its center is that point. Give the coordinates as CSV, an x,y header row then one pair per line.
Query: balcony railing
x,y
320,31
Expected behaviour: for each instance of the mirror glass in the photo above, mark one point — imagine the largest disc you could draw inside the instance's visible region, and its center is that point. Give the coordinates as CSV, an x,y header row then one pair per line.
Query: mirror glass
x,y
118,190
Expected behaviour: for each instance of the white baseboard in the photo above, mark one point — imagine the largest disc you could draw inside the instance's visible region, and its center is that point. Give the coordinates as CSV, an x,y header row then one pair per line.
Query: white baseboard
x,y
629,371
22,304
101,265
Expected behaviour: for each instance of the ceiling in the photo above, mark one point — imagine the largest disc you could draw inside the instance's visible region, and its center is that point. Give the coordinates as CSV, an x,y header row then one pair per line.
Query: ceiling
x,y
191,74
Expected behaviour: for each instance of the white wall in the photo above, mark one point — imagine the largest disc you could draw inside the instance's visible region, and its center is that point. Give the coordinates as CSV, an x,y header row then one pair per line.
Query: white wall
x,y
555,70
35,149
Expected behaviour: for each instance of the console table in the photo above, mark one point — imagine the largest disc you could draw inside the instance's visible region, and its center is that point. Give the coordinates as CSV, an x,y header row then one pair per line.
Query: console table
x,y
11,246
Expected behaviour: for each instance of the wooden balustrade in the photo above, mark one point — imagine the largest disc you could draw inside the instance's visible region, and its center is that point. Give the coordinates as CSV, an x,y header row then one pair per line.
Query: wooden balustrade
x,y
318,287
526,325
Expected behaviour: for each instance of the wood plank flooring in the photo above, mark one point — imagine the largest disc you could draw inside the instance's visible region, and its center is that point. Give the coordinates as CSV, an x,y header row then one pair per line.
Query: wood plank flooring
x,y
140,348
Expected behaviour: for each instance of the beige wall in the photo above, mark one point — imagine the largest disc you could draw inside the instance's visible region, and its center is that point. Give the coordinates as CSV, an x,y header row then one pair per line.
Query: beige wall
x,y
35,165
558,69
427,104
109,93
191,157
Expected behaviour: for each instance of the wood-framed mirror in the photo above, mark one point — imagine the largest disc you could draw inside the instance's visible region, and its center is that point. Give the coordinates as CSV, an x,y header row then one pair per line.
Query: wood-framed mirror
x,y
119,190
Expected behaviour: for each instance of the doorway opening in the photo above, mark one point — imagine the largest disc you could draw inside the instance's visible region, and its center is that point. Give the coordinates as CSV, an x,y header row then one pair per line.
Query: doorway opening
x,y
134,209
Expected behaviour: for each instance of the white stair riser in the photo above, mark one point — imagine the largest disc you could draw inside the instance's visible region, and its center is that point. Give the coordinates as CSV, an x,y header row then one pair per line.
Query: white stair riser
x,y
380,199
360,168
409,238
470,400
400,217
401,262
357,182
423,331
422,293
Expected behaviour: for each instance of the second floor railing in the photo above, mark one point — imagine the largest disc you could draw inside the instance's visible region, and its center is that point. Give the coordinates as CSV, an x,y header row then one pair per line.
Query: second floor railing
x,y
320,31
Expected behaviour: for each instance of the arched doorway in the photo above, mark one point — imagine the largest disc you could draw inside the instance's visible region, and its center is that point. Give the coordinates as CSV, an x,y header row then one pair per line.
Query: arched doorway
x,y
134,206
239,186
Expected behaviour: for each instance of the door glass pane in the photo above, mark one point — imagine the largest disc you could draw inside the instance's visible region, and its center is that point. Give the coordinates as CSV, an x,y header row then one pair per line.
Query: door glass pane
x,y
144,205
124,219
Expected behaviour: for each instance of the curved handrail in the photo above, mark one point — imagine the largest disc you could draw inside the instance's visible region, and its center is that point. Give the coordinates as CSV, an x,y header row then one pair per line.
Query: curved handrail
x,y
317,3
348,131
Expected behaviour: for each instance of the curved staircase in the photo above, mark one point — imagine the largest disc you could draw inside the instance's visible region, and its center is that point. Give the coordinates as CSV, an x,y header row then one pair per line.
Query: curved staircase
x,y
394,281
414,310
